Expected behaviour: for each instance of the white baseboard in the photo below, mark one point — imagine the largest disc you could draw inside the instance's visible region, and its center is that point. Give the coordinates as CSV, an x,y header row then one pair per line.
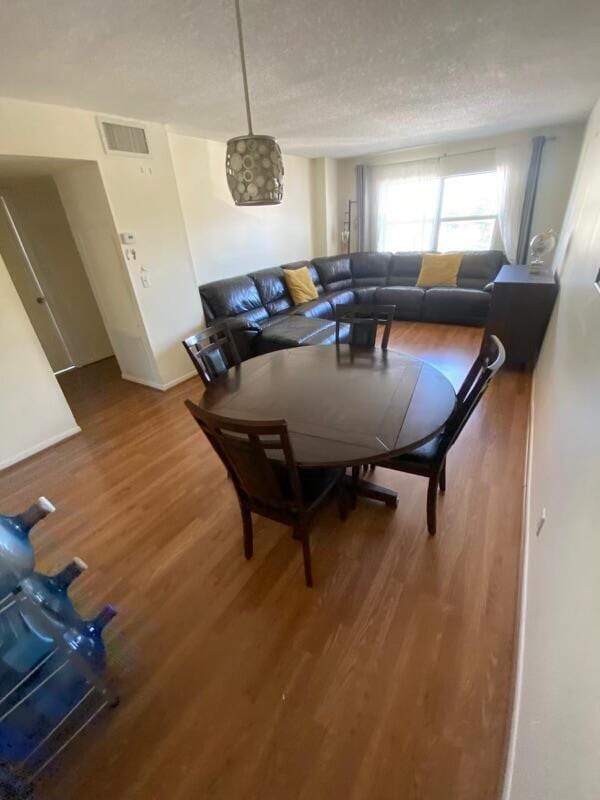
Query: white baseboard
x,y
31,451
162,387
522,609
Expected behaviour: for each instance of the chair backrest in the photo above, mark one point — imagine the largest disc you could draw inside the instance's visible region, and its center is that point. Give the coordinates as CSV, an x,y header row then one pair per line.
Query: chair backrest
x,y
364,321
484,369
258,457
213,351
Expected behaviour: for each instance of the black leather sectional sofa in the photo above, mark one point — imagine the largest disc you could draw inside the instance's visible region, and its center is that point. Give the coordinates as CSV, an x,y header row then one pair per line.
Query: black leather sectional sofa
x,y
263,316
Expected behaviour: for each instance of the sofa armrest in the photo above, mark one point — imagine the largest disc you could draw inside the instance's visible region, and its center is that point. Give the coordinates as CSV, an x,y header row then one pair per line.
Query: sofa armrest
x,y
488,287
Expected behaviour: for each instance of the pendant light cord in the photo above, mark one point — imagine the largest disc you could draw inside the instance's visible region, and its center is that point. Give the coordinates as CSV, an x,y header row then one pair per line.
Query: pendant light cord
x,y
243,60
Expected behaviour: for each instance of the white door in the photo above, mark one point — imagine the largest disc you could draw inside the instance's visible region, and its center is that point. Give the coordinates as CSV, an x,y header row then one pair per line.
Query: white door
x,y
28,287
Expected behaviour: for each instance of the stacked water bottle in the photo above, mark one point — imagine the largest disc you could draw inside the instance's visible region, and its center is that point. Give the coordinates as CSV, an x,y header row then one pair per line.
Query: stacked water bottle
x,y
40,683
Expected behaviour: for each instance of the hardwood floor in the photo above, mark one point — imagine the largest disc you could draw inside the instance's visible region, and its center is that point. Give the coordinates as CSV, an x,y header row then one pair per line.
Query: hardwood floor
x,y
390,680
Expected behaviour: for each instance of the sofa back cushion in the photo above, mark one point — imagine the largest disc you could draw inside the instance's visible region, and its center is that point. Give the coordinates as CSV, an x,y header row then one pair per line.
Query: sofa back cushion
x,y
370,269
311,268
479,267
272,290
232,297
334,272
404,269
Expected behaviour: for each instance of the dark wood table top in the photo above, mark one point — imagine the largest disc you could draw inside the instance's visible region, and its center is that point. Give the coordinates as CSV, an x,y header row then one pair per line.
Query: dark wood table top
x,y
343,405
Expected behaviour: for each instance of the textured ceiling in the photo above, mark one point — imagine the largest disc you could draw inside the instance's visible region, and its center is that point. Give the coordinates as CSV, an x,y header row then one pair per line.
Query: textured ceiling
x,y
327,77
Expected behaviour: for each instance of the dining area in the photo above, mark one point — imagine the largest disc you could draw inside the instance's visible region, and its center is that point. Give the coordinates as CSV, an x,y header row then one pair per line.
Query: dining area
x,y
394,669
298,427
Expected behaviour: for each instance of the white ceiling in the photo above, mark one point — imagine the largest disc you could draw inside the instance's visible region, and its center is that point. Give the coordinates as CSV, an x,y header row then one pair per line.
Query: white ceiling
x,y
327,77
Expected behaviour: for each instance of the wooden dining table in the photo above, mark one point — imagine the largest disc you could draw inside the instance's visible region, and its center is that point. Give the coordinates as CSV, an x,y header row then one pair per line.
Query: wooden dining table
x,y
344,406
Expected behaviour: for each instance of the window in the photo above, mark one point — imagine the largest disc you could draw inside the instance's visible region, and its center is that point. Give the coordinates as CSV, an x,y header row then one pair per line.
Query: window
x,y
416,209
407,200
468,211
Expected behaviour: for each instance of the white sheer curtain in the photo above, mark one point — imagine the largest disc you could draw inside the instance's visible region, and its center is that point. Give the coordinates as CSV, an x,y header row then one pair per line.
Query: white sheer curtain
x,y
512,166
403,204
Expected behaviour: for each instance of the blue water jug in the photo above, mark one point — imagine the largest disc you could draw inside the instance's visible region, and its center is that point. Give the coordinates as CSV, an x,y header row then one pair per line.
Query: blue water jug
x,y
33,641
31,722
69,685
16,552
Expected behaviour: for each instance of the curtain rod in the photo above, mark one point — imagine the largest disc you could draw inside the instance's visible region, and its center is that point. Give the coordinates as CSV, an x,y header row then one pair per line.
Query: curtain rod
x,y
446,155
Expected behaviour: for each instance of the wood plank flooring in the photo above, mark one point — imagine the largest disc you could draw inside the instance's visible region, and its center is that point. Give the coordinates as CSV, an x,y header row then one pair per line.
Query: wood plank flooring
x,y
390,680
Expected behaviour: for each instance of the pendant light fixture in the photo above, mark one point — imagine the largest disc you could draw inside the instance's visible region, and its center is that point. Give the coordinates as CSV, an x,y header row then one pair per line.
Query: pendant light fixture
x,y
253,163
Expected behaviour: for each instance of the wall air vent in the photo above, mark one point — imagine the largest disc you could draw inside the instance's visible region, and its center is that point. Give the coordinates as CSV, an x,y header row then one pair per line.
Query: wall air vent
x,y
123,138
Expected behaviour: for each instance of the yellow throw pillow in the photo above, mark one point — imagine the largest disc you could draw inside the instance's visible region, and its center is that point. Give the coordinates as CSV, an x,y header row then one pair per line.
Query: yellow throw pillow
x,y
439,270
300,285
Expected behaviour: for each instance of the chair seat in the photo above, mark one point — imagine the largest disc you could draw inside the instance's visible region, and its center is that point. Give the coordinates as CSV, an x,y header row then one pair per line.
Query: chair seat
x,y
315,482
425,454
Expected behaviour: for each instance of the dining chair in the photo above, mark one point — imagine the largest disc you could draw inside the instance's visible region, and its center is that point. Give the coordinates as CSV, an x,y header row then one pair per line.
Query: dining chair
x,y
261,464
430,459
363,321
213,351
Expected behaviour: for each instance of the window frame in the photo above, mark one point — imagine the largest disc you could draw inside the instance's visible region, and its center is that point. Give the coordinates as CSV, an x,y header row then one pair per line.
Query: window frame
x,y
438,219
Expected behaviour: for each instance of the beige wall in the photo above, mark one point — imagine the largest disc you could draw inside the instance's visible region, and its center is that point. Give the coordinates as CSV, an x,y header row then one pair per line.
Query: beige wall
x,y
226,240
30,393
86,205
556,726
556,174
143,200
40,218
325,211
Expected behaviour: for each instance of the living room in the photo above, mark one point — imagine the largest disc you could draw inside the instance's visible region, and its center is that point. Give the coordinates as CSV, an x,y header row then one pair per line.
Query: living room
x,y
397,279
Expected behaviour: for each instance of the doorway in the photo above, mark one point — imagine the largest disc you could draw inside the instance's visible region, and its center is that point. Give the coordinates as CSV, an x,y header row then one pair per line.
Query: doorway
x,y
42,258
29,288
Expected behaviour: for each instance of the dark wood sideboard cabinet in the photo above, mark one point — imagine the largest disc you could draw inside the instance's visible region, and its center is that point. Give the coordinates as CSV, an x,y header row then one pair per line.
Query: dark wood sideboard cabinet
x,y
520,311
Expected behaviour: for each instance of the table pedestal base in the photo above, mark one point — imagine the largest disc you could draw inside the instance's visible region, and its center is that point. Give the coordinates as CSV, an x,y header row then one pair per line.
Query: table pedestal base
x,y
358,486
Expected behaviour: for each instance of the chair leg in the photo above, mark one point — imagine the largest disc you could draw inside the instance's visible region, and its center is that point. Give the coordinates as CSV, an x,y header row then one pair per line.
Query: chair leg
x,y
442,478
301,532
355,479
342,501
431,504
247,526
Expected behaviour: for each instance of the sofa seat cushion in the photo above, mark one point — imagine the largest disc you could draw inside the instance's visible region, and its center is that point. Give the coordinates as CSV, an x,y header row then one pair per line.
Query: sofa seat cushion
x,y
364,294
233,296
272,289
462,306
315,308
294,330
407,299
422,455
370,269
334,272
340,298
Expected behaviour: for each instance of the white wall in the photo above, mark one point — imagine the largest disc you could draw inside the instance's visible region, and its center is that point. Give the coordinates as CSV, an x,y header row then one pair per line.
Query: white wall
x,y
30,392
555,752
226,240
40,218
143,199
556,175
86,205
